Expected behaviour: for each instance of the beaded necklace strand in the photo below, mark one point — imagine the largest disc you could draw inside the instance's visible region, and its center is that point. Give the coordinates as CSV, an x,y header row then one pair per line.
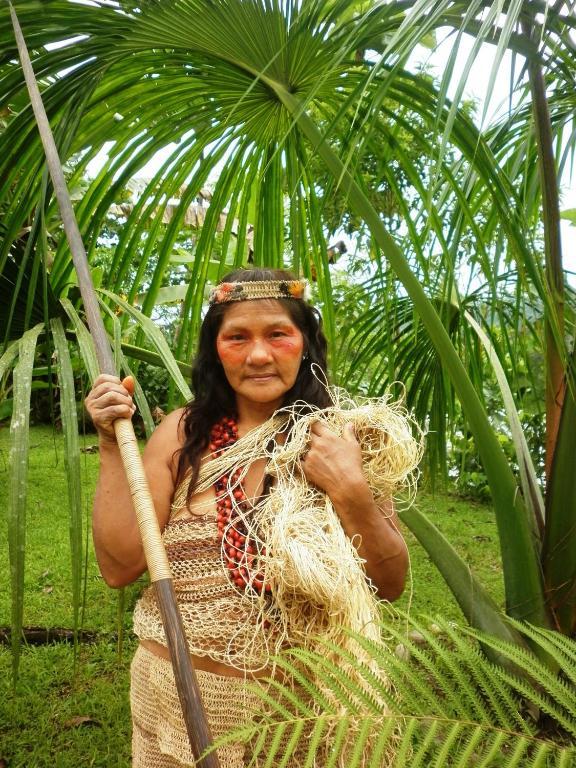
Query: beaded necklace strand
x,y
239,551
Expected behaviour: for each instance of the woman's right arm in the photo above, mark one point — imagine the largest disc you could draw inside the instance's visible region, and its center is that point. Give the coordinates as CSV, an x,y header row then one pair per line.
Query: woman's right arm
x,y
114,526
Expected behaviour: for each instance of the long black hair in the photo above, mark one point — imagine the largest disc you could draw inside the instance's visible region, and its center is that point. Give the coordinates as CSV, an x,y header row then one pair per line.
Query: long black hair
x,y
214,398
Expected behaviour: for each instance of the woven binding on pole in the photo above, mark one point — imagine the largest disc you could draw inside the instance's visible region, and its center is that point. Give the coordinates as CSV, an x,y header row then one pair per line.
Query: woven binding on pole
x,y
154,551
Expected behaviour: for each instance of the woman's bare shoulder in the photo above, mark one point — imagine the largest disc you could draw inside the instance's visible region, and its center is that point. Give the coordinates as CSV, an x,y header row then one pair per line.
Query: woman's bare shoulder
x,y
168,435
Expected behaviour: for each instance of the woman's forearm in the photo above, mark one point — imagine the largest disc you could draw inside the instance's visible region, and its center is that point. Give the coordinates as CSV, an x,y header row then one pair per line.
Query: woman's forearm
x,y
115,529
373,531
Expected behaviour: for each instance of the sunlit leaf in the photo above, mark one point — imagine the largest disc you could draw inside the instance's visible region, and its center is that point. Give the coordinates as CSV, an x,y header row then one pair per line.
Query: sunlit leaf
x,y
18,467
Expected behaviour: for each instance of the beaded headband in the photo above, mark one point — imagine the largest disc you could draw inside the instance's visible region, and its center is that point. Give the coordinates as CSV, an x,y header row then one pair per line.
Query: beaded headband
x,y
258,289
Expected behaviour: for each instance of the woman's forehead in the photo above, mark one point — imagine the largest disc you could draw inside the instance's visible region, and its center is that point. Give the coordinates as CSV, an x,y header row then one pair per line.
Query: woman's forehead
x,y
256,312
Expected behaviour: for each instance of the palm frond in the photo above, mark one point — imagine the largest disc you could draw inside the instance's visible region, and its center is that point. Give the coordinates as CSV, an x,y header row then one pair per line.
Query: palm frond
x,y
85,341
158,341
19,440
69,418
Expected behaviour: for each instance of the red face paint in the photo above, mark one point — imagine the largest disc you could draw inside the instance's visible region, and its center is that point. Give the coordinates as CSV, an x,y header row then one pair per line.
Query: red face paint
x,y
229,351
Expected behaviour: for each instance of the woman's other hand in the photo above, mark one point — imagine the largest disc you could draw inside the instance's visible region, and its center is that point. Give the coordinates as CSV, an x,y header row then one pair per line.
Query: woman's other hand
x,y
332,463
109,399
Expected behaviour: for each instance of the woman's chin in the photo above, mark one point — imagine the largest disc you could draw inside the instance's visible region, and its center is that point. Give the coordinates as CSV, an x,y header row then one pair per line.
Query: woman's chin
x,y
260,395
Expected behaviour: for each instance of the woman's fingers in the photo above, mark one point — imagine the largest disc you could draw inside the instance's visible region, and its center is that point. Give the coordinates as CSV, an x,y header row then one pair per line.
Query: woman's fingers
x,y
110,399
317,428
107,388
349,433
128,383
330,459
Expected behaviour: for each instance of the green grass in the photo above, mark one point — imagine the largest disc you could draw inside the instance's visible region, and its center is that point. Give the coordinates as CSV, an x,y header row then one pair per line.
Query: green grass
x,y
48,597
68,713
471,528
64,714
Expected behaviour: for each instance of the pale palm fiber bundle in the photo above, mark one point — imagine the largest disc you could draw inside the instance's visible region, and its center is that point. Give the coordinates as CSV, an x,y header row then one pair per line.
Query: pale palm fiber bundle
x,y
317,578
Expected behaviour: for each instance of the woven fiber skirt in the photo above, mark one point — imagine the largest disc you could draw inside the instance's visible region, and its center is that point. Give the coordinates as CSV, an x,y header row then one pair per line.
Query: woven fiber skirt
x,y
159,738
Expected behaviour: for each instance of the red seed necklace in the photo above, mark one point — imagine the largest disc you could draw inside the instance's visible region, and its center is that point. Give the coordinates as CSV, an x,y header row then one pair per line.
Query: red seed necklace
x,y
240,551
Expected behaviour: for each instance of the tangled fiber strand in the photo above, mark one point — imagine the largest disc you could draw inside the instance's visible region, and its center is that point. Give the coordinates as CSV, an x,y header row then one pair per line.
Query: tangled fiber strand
x,y
316,576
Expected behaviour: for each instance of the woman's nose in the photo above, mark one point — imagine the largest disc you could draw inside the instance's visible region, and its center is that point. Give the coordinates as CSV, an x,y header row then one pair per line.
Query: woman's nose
x,y
259,352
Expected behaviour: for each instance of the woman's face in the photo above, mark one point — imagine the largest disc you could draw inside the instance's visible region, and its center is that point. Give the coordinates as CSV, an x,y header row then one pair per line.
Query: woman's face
x,y
260,348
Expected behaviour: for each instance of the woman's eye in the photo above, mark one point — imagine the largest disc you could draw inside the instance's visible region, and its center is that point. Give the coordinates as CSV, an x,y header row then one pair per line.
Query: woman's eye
x,y
278,334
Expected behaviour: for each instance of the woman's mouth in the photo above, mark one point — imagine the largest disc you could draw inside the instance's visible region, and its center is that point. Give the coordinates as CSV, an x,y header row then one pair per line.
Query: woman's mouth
x,y
261,377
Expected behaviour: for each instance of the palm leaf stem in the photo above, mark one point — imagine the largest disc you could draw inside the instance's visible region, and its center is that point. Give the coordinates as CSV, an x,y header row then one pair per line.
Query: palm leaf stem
x,y
476,604
529,482
148,356
555,369
71,461
559,544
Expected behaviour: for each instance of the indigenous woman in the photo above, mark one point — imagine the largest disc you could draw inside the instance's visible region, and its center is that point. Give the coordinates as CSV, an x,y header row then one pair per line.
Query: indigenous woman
x,y
261,348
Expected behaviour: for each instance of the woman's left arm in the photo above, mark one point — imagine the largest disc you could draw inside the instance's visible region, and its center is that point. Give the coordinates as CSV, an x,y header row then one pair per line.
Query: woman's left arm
x,y
334,464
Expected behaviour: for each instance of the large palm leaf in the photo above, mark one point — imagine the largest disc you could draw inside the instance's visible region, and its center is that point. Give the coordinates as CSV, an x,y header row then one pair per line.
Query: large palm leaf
x,y
21,355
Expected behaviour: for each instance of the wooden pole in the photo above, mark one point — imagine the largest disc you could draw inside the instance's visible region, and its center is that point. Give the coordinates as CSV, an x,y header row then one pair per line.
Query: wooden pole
x,y
156,559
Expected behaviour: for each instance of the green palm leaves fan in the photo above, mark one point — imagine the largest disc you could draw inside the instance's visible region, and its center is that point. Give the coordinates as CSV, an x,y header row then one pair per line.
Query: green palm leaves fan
x,y
283,99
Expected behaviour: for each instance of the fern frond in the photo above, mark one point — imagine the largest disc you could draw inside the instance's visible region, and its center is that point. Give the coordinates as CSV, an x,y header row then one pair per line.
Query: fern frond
x,y
542,754
304,683
318,733
338,741
470,744
275,745
493,751
503,706
541,686
381,687
545,703
566,759
328,715
360,746
403,752
448,674
560,647
279,698
421,758
292,743
384,745
343,686
416,695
